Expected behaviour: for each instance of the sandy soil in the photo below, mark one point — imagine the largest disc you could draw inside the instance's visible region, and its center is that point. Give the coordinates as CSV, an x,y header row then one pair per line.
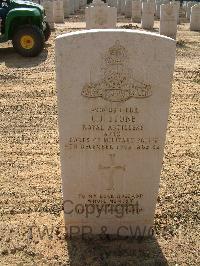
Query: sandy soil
x,y
30,187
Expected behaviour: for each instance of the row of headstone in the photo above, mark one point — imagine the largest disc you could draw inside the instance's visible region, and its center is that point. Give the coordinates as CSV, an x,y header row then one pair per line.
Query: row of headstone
x,y
100,15
57,10
144,10
127,7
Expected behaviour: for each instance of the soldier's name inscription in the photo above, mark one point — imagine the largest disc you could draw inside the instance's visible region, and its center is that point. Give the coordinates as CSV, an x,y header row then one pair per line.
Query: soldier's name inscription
x,y
112,129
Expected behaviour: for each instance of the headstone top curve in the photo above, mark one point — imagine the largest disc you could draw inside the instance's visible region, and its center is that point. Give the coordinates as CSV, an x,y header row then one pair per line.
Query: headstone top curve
x,y
145,33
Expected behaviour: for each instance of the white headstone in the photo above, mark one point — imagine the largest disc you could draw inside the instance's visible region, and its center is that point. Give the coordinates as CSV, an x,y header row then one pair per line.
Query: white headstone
x,y
76,5
158,4
113,101
58,11
83,3
123,5
188,9
168,20
115,3
195,18
72,7
119,2
100,16
128,8
177,6
184,5
112,3
136,11
49,10
67,8
148,9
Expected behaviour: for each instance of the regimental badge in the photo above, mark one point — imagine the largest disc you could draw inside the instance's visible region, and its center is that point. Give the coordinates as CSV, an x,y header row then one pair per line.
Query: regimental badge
x,y
118,83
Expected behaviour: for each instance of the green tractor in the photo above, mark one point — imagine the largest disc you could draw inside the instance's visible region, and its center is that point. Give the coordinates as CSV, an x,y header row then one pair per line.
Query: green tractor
x,y
24,23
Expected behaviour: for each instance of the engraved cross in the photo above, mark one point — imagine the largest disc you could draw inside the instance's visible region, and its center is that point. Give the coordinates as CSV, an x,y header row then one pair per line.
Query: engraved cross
x,y
112,168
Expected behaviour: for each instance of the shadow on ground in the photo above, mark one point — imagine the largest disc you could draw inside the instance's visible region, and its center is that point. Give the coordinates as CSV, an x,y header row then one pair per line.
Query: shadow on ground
x,y
109,252
14,60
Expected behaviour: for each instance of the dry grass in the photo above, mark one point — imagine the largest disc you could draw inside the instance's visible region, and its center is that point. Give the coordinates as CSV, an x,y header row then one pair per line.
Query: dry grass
x,y
30,192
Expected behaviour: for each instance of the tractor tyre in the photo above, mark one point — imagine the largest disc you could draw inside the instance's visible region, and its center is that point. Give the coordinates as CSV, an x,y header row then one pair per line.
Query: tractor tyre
x,y
28,40
47,32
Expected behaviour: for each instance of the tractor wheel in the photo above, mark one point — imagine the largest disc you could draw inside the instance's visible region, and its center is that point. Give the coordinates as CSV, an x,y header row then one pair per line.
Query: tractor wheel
x,y
28,40
47,32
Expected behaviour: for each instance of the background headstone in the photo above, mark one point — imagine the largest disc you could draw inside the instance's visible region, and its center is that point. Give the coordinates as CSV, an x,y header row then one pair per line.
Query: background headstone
x,y
177,5
76,5
168,20
67,8
119,2
195,18
148,10
136,11
123,5
158,5
157,13
100,16
49,9
188,9
72,7
58,11
128,8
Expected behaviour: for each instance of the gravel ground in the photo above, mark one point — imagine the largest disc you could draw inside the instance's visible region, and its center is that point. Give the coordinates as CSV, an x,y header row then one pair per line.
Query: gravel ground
x,y
31,226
